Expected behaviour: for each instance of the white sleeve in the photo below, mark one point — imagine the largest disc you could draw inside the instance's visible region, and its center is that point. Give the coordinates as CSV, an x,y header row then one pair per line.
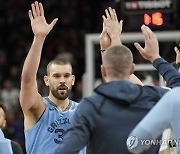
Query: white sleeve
x,y
153,124
5,144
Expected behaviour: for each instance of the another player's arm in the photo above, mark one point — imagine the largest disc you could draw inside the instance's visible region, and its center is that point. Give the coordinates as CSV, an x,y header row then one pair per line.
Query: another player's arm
x,y
134,79
177,54
152,129
112,29
151,50
30,100
110,35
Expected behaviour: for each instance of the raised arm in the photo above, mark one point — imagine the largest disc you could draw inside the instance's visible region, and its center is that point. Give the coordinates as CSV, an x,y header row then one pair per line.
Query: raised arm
x,y
151,50
177,54
30,99
113,27
111,33
164,115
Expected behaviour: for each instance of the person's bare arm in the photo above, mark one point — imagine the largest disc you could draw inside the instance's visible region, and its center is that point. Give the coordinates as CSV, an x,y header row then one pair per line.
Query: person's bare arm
x,y
113,26
105,40
177,54
110,35
134,79
30,100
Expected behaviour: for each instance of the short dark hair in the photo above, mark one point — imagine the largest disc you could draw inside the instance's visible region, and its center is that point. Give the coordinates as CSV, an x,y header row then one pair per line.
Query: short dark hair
x,y
58,61
4,109
118,59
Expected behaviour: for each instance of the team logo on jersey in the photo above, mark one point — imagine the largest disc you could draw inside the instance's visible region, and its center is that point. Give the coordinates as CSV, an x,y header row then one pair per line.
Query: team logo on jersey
x,y
57,123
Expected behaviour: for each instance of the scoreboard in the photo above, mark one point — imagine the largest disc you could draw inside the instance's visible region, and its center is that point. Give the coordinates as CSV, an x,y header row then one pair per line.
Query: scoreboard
x,y
157,14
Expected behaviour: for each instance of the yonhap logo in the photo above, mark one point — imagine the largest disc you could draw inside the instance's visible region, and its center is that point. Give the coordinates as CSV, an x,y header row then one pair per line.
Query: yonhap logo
x,y
132,142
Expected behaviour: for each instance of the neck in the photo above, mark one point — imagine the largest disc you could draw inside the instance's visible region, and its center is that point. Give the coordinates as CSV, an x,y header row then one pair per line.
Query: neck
x,y
61,104
116,79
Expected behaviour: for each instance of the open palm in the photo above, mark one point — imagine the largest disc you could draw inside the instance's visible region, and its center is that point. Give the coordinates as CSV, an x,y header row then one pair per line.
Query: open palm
x,y
38,21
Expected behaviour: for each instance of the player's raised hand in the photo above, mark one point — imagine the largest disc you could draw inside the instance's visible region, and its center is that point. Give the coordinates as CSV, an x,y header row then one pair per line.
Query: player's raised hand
x,y
38,21
105,40
151,50
177,54
114,27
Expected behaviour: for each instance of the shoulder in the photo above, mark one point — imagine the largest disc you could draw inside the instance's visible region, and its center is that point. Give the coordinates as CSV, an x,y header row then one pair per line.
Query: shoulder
x,y
173,96
93,98
16,147
155,90
94,101
73,105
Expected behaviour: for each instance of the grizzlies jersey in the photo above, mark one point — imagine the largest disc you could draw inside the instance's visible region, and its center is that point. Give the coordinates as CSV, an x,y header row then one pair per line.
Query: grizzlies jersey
x,y
45,136
5,144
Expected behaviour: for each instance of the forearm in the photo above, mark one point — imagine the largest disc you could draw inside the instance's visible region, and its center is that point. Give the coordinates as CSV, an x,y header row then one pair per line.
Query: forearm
x,y
135,80
32,60
169,73
136,140
152,127
115,40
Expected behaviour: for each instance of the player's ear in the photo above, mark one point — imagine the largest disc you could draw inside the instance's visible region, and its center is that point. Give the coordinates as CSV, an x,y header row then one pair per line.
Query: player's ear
x,y
73,80
46,80
132,68
103,71
4,124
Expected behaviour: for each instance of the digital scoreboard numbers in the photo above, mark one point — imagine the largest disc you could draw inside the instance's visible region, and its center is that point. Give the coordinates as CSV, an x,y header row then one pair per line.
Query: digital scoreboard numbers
x,y
157,14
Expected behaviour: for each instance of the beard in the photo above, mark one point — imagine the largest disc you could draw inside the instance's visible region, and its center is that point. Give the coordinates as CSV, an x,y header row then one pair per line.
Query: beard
x,y
61,95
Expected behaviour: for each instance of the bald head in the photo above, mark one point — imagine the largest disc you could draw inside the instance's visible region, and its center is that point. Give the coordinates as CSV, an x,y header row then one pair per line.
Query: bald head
x,y
118,61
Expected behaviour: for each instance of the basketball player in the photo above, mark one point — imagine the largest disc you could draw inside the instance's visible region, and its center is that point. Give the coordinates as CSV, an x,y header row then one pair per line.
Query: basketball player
x,y
105,119
7,146
113,38
45,119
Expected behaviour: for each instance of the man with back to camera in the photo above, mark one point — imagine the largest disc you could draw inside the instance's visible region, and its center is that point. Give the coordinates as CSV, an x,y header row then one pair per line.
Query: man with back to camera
x,y
105,119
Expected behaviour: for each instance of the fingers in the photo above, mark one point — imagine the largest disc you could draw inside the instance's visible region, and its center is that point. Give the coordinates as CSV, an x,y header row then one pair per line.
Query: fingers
x,y
121,24
37,10
176,50
107,14
104,22
145,32
115,15
139,48
41,9
34,10
30,15
112,13
53,23
104,31
148,34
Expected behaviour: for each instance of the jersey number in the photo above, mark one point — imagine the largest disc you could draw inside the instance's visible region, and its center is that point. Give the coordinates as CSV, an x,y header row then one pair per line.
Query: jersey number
x,y
60,133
